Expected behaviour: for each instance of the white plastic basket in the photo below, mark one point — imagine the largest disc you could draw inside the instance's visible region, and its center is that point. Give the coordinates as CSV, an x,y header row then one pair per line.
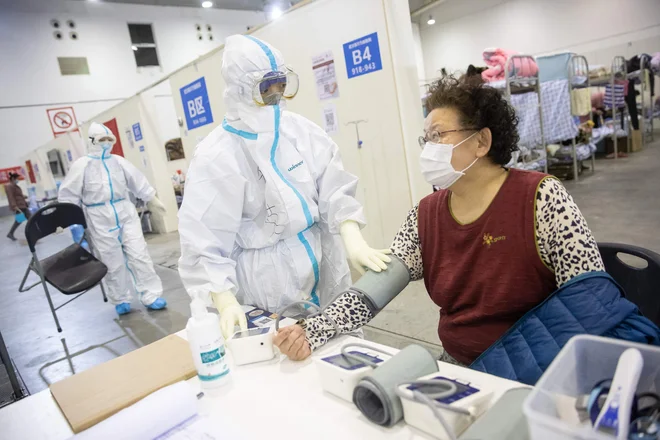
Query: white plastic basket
x,y
584,360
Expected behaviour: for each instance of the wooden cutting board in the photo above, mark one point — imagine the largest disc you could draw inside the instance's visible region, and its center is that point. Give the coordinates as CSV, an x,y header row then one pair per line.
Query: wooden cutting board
x,y
90,397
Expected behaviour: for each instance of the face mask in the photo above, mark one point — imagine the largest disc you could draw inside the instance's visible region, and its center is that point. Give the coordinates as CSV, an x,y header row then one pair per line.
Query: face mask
x,y
273,99
435,162
106,145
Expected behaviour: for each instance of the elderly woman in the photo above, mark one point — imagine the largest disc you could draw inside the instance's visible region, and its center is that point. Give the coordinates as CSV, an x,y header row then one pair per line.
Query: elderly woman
x,y
491,245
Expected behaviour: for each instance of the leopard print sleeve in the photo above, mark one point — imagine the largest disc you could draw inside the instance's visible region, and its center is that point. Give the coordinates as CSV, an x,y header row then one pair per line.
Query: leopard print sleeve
x,y
349,311
406,245
565,243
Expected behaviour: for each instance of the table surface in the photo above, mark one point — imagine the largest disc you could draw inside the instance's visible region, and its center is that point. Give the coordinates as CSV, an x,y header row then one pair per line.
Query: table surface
x,y
280,399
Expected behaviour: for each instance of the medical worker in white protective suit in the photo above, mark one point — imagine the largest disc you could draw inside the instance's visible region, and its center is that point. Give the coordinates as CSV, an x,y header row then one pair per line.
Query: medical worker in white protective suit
x,y
266,196
100,182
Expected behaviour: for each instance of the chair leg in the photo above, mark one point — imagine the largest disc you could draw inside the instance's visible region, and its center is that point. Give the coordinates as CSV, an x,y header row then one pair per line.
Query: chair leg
x,y
22,287
27,272
50,301
105,298
52,309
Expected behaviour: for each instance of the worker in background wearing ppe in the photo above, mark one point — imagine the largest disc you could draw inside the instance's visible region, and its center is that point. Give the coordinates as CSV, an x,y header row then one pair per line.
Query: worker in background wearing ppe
x,y
101,183
267,198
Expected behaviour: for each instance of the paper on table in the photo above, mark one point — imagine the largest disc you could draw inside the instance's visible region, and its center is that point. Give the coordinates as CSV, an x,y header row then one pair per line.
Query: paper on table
x,y
202,428
150,418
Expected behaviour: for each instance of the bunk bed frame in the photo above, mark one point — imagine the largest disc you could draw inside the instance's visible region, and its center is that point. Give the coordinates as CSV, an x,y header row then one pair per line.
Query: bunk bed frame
x,y
525,84
645,81
578,66
618,72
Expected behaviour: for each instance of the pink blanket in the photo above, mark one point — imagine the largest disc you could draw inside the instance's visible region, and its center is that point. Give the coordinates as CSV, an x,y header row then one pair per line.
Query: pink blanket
x,y
496,59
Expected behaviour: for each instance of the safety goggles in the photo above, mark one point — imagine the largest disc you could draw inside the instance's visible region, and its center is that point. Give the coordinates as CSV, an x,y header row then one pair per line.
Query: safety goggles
x,y
268,87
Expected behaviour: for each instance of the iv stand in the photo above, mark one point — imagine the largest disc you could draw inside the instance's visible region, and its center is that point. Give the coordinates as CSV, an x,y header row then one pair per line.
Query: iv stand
x,y
357,130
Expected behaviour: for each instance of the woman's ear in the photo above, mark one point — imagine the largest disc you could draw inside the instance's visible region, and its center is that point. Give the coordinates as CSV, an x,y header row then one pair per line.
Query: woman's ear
x,y
485,137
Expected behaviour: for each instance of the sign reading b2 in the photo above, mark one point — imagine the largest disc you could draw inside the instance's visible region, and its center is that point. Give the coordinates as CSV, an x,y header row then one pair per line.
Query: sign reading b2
x,y
362,56
196,104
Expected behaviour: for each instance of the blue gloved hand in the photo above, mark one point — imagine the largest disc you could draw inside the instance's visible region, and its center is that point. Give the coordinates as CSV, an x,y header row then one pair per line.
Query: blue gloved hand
x,y
123,308
160,303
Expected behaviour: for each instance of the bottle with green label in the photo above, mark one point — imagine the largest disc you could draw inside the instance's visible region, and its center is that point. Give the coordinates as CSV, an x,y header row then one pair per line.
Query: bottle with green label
x,y
207,345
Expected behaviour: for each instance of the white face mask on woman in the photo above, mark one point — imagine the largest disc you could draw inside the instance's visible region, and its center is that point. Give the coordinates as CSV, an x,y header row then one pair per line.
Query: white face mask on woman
x,y
435,162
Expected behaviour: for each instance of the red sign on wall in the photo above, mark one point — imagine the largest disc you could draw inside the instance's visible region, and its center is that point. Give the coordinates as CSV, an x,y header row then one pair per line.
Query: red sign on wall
x,y
28,165
117,147
4,174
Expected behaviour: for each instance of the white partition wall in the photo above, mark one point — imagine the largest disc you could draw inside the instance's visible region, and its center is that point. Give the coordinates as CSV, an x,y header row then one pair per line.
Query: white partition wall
x,y
386,99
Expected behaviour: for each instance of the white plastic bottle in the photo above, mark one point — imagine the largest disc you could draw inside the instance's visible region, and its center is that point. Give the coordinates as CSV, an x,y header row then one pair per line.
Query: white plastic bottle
x,y
207,345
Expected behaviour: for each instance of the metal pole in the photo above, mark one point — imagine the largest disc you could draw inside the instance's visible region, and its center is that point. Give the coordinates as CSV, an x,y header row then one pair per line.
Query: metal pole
x,y
614,122
571,74
543,146
13,380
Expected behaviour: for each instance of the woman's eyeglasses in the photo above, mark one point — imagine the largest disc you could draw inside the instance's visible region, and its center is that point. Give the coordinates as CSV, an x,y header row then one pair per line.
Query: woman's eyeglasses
x,y
435,136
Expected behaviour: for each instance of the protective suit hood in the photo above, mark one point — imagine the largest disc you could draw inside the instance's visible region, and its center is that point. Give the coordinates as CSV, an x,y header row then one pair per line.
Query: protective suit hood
x,y
243,57
95,132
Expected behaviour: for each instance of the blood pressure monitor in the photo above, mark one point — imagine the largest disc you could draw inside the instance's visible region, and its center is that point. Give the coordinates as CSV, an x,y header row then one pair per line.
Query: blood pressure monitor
x,y
459,409
340,374
252,345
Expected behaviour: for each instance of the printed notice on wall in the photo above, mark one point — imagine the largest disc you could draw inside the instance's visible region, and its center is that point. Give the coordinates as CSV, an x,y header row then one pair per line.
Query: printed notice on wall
x,y
323,66
330,122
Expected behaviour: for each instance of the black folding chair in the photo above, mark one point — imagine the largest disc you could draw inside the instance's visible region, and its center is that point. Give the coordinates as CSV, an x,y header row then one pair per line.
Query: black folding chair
x,y
72,270
642,285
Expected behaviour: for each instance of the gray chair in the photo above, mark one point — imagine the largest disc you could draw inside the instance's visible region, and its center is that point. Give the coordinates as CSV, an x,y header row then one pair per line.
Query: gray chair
x,y
641,285
73,270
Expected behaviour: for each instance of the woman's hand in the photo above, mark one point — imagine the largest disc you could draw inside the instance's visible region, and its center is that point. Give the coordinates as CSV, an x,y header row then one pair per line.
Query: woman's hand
x,y
292,342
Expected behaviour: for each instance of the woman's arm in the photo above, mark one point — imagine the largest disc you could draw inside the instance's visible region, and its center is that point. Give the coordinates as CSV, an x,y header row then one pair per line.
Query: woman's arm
x,y
566,245
349,311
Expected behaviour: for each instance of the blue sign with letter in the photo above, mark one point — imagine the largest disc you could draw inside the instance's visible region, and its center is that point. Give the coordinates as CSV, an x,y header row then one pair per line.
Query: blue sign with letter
x,y
69,155
362,56
196,104
137,131
141,148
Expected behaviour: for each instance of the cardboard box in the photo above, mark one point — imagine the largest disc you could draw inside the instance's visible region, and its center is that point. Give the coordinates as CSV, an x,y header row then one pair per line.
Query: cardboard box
x,y
636,141
90,397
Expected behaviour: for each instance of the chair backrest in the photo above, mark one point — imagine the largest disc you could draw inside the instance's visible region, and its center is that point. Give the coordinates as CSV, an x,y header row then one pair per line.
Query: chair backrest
x,y
47,219
642,285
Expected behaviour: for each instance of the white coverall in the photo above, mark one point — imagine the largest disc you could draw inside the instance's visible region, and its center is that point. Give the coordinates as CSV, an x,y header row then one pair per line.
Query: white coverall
x,y
101,182
265,195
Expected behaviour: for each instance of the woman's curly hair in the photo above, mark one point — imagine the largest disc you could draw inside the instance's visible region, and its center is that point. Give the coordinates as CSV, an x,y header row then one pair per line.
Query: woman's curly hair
x,y
479,106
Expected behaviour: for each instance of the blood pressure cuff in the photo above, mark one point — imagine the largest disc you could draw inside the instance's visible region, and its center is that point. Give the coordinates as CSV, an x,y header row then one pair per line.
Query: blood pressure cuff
x,y
377,289
375,395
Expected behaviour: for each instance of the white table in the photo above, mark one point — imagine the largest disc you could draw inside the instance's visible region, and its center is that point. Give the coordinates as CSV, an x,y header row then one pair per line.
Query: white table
x,y
280,399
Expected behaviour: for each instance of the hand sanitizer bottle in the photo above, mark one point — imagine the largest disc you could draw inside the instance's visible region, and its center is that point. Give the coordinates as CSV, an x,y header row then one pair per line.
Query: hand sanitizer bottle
x,y
207,345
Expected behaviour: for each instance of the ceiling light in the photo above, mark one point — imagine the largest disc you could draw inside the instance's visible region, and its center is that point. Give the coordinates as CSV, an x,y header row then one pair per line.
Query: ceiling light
x,y
134,48
275,13
431,21
207,4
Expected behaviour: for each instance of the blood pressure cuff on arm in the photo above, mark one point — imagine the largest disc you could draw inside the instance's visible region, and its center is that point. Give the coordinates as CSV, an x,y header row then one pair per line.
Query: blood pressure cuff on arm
x,y
377,289
364,300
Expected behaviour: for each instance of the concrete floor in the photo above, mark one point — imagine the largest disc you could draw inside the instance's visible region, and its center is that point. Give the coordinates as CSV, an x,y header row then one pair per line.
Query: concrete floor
x,y
620,203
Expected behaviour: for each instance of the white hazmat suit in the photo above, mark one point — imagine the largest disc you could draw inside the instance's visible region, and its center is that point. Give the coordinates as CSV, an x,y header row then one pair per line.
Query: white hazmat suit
x,y
100,182
266,195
